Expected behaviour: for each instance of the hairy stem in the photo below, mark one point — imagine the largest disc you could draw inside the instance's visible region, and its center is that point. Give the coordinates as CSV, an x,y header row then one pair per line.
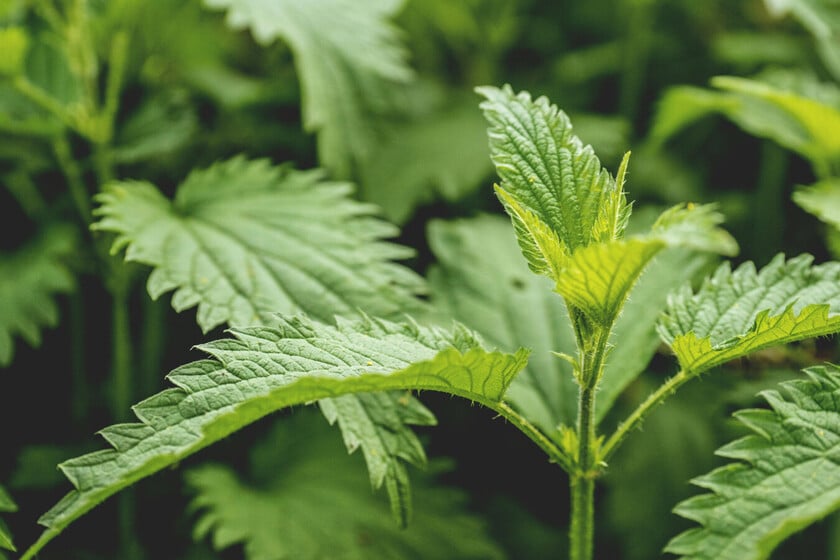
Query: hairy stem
x,y
635,419
582,529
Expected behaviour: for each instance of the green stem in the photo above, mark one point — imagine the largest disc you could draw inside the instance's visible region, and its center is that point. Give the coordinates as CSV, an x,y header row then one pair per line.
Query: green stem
x,y
582,482
768,225
635,419
636,50
582,528
44,100
154,337
121,357
71,170
21,186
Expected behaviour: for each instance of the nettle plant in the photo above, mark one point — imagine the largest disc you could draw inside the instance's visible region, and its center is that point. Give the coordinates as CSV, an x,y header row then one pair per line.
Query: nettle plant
x,y
214,245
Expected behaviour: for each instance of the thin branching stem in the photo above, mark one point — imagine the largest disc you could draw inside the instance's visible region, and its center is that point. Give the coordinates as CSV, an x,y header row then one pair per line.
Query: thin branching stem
x,y
635,419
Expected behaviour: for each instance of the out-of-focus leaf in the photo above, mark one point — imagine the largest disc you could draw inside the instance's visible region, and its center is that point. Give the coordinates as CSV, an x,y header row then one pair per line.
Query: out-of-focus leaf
x,y
29,281
159,127
306,499
793,110
349,59
442,154
822,200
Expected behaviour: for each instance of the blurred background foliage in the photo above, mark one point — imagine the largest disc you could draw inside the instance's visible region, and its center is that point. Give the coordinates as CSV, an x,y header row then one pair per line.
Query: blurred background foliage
x,y
734,101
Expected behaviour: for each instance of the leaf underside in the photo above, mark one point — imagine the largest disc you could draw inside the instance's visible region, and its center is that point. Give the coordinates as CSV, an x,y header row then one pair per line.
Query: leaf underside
x,y
738,312
349,60
304,499
821,199
243,240
264,369
785,478
29,281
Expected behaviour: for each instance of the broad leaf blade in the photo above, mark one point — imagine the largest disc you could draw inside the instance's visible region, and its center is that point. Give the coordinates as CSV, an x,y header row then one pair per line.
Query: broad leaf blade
x,y
265,369
29,281
305,499
598,278
349,58
786,477
442,155
481,280
549,172
243,240
793,110
737,313
634,339
821,199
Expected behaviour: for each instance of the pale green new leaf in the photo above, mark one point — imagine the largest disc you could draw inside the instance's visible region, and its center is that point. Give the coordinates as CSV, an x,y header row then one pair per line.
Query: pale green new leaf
x,y
264,369
7,505
736,313
304,499
482,280
29,281
348,57
549,173
243,239
785,478
598,278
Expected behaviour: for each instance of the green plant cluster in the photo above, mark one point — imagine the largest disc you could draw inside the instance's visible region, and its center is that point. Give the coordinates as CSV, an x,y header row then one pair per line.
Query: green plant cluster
x,y
287,205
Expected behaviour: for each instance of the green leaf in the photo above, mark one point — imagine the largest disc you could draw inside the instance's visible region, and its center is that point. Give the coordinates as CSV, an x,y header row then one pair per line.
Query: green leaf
x,y
736,313
821,199
550,175
822,19
243,239
305,499
793,110
440,155
7,505
264,369
481,280
598,278
634,338
349,60
29,281
785,478
161,126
